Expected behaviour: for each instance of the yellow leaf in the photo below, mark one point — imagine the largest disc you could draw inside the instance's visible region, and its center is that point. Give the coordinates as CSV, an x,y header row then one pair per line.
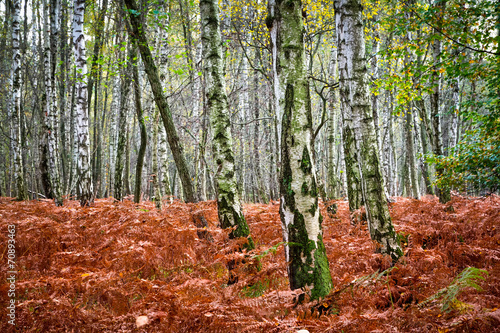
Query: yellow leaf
x,y
85,274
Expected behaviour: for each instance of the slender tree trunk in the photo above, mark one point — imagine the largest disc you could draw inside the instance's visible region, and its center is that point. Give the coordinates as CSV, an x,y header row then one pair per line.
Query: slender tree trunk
x,y
410,151
442,193
122,133
299,211
22,193
85,192
156,188
353,177
142,127
228,202
355,92
332,181
51,122
138,31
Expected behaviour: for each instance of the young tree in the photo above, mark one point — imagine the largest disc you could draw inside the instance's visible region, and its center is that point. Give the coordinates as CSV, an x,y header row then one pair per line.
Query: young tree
x,y
85,191
142,128
228,202
299,211
354,91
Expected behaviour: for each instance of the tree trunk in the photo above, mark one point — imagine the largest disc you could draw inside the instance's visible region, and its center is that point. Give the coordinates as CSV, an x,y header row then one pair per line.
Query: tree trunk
x,y
355,93
353,177
228,202
442,193
142,127
51,112
332,181
15,109
299,211
122,133
156,188
85,192
139,32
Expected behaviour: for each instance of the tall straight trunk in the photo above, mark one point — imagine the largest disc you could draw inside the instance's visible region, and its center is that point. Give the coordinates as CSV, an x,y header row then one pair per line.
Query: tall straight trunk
x,y
257,132
332,181
299,211
351,158
95,75
355,92
142,128
228,202
115,110
85,191
155,183
410,151
139,32
442,193
15,109
410,132
122,132
51,113
202,173
95,66
64,47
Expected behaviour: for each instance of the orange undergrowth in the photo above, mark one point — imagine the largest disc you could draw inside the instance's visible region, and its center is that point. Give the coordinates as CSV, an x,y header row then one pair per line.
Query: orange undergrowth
x,y
98,269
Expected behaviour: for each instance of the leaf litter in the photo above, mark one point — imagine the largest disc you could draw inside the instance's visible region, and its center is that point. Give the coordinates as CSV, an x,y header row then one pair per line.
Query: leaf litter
x,y
125,267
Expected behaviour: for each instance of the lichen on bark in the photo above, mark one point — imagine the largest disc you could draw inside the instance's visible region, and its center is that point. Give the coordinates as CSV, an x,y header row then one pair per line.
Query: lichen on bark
x,y
299,211
228,201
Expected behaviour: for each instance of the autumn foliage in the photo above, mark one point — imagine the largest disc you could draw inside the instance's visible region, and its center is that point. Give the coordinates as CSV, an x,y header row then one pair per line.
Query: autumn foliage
x,y
116,266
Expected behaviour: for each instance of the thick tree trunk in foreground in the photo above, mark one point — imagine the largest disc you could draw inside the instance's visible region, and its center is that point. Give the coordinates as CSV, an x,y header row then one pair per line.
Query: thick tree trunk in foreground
x,y
85,191
299,211
355,93
138,32
228,202
15,109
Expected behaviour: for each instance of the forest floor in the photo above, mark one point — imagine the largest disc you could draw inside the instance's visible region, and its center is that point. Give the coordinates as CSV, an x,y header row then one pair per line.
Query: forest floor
x,y
122,267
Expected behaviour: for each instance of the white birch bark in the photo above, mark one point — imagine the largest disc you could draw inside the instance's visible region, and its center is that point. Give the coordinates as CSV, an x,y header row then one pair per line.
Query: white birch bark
x,y
85,190
299,211
228,201
15,107
51,111
355,90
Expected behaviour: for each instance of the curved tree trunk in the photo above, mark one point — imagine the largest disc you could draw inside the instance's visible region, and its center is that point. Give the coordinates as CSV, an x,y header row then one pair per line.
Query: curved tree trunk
x,y
138,32
122,132
85,191
142,127
299,211
228,202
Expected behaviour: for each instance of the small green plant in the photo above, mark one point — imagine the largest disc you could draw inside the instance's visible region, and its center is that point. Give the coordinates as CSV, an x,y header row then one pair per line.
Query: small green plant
x,y
469,277
256,289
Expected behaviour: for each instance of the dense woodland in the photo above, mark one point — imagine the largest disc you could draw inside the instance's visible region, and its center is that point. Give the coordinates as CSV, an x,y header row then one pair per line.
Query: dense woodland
x,y
174,103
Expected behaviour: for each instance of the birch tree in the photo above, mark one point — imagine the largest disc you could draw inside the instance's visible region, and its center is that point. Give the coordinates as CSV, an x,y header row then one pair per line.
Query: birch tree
x,y
15,108
299,211
354,90
51,120
85,190
228,201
